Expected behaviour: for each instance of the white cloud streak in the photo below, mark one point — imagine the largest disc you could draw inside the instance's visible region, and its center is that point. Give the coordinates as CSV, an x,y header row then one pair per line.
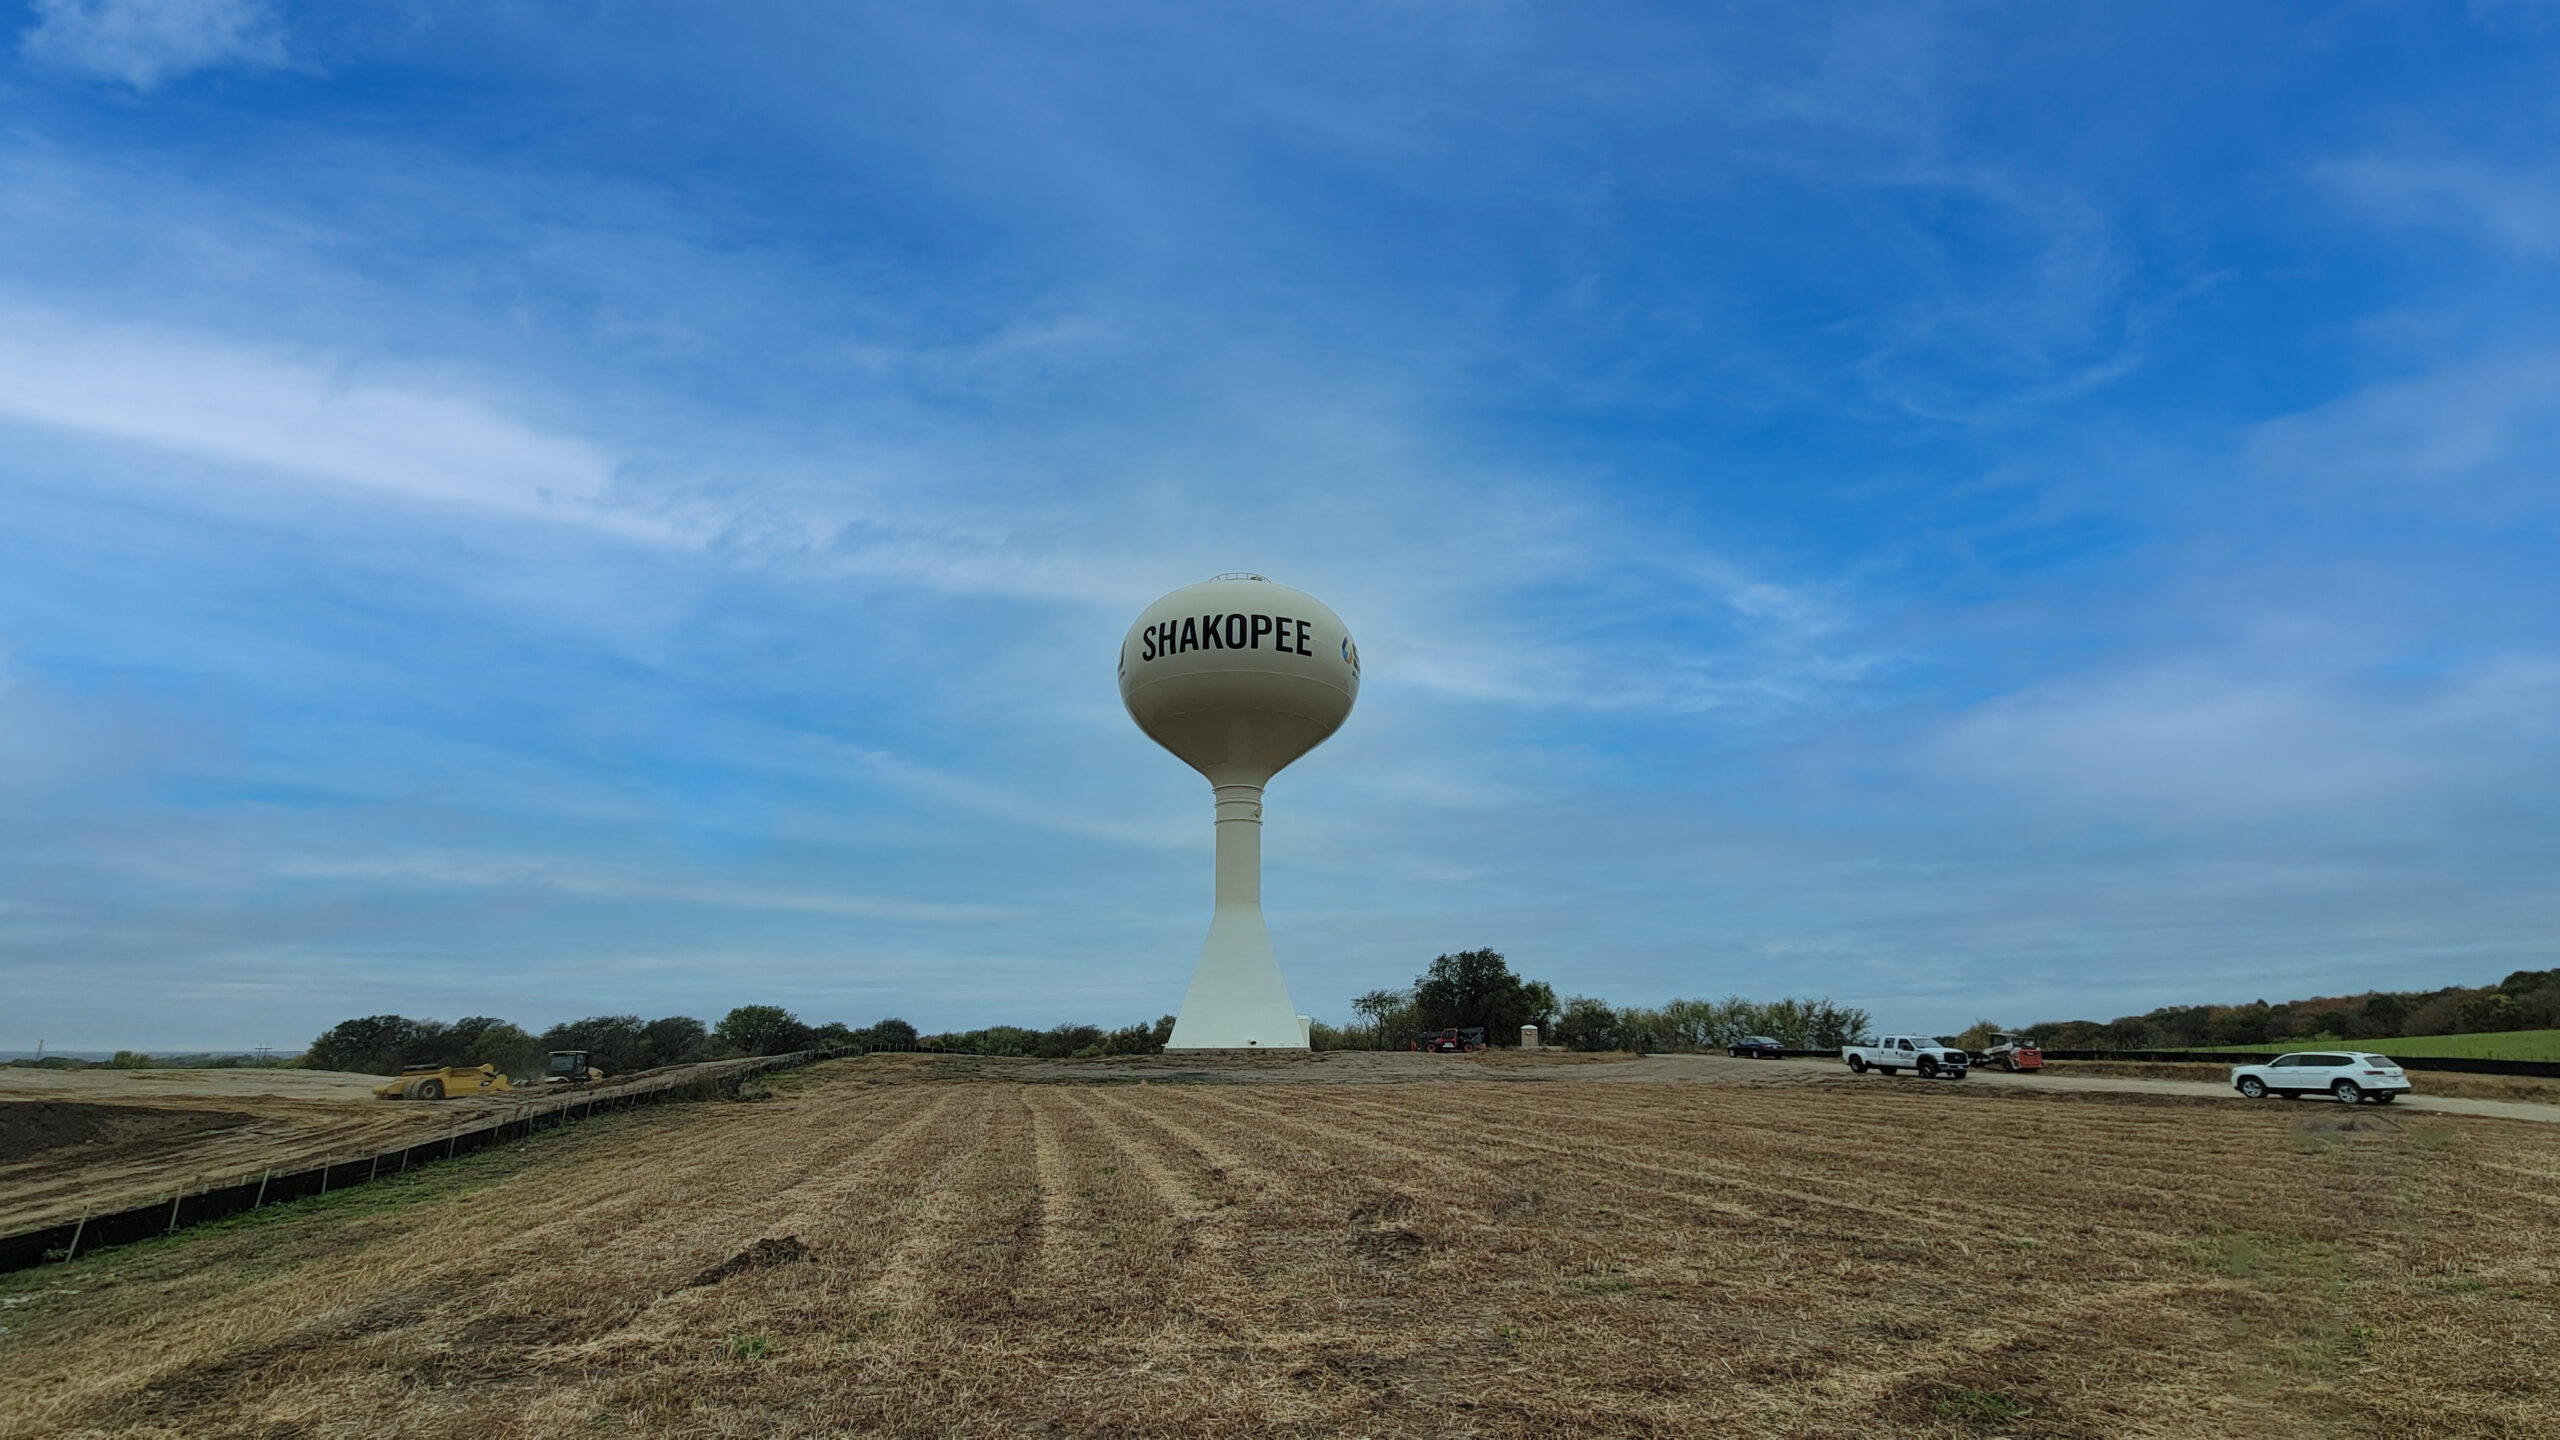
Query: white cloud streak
x,y
2513,210
2189,746
2476,441
502,872
146,43
281,412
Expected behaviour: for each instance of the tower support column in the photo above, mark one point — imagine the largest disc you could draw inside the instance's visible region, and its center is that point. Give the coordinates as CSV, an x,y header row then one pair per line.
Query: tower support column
x,y
1237,1000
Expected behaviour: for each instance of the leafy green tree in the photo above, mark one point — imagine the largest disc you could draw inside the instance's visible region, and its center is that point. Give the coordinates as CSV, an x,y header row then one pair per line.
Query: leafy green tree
x,y
1004,1040
886,1035
487,1040
760,1030
2243,1025
2384,1015
1387,1021
2493,1010
613,1043
1140,1039
674,1040
373,1045
1831,1026
1478,988
1061,1041
1586,1024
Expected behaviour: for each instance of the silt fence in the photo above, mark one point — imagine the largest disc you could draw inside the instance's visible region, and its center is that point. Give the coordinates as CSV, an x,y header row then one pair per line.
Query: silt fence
x,y
184,1208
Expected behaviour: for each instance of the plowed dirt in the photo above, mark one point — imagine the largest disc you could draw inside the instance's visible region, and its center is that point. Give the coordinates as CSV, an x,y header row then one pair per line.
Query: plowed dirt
x,y
151,1132
97,1140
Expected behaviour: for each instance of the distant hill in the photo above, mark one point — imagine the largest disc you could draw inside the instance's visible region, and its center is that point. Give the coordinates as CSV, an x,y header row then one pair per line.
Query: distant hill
x,y
2525,1000
2490,1045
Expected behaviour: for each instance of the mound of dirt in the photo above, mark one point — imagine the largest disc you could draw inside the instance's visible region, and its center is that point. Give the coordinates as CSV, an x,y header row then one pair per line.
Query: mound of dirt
x,y
761,1255
33,1127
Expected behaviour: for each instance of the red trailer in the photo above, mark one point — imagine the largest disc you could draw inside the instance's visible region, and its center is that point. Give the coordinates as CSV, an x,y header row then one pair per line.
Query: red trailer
x,y
2012,1053
1452,1042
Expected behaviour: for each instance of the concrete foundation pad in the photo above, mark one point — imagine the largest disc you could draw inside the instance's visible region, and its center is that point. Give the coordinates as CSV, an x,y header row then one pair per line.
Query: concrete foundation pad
x,y
1250,1052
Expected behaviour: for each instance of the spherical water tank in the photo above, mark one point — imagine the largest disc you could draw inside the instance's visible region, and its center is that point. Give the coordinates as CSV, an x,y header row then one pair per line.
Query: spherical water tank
x,y
1239,676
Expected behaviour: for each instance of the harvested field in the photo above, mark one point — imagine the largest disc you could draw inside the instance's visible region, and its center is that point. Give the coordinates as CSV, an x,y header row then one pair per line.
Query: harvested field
x,y
93,1141
878,1250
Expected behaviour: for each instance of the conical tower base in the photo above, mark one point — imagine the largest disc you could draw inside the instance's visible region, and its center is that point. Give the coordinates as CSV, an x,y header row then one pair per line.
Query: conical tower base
x,y
1237,999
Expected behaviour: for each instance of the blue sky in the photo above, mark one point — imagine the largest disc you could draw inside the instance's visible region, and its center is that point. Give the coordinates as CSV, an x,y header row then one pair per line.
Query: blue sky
x,y
2012,511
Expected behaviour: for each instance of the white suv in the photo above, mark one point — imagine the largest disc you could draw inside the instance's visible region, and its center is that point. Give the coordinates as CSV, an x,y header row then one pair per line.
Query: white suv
x,y
2351,1075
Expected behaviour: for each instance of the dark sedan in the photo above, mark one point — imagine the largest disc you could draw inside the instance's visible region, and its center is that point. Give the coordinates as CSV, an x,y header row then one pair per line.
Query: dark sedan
x,y
1756,1047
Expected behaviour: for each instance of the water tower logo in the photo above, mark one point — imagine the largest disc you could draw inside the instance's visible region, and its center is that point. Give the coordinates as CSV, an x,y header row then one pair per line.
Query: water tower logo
x,y
1238,677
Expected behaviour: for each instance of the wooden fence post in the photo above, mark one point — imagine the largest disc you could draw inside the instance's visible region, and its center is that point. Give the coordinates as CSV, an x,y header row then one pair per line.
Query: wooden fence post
x,y
262,1187
74,1252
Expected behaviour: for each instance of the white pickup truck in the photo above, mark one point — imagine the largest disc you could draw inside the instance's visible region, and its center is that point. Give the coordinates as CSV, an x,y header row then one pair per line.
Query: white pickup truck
x,y
1916,1053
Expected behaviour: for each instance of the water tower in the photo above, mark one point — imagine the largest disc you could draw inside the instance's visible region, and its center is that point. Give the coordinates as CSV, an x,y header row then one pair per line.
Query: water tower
x,y
1238,677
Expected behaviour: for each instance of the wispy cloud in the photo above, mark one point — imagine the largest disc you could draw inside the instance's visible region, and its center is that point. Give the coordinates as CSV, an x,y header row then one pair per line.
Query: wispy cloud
x,y
145,43
2477,441
2258,739
301,416
2511,208
498,872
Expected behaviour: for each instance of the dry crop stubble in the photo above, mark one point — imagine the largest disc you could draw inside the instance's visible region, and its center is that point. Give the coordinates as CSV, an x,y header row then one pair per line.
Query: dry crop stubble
x,y
883,1252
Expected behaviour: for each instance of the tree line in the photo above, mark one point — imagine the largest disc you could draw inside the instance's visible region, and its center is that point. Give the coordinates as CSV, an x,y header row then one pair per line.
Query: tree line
x,y
621,1044
1478,989
615,1044
1466,989
1059,1042
2525,1000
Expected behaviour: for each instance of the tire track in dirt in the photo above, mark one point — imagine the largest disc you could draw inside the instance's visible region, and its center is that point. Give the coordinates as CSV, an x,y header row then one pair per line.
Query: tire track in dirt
x,y
1177,1197
1279,1114
437,1289
1486,1218
697,1161
1225,1167
1129,1236
1873,1378
869,1179
1720,1183
1057,1186
1203,1245
934,1264
509,1283
1643,1206
711,1161
1625,1141
1279,1121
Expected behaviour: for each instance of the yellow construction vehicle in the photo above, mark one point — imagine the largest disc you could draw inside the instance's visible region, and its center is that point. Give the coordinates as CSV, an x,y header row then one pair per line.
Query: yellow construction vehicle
x,y
434,1082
